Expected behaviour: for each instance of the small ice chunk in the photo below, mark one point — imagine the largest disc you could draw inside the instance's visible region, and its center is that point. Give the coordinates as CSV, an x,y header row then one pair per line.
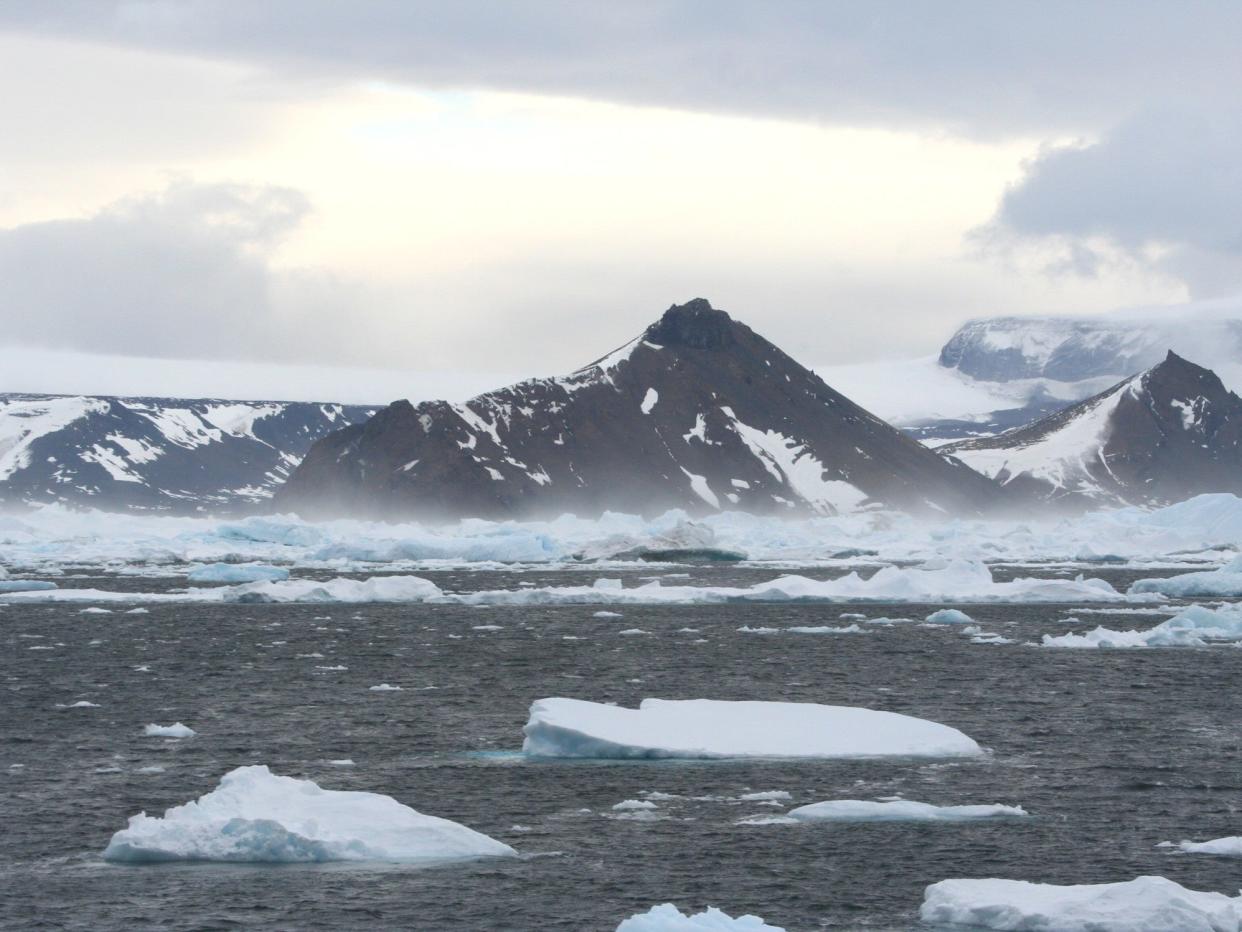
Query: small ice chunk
x,y
766,795
1145,904
342,762
631,631
256,816
668,918
175,730
649,400
629,805
900,810
607,615
82,704
154,768
385,688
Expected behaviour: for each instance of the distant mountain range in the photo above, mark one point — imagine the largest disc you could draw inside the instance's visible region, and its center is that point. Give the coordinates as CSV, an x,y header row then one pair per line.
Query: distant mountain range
x,y
698,412
156,454
1157,437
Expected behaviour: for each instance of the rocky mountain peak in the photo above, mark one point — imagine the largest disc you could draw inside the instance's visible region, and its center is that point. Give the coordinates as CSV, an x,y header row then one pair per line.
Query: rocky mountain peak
x,y
694,324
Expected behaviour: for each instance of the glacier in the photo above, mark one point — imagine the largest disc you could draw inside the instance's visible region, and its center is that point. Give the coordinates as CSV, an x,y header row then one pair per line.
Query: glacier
x,y
255,815
704,729
1145,904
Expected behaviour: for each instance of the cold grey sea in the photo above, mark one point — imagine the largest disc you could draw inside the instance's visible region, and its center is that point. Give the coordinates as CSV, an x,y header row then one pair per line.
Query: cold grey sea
x,y
1111,753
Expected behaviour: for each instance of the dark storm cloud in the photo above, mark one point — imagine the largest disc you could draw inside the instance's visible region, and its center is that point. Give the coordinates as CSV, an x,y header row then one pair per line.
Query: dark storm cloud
x,y
1164,188
975,66
185,272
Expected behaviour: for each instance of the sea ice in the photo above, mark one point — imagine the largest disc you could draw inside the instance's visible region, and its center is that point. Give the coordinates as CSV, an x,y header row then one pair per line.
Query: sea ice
x,y
385,688
236,573
668,918
255,815
705,728
1225,582
1145,904
949,616
901,810
175,730
1195,626
25,585
1230,847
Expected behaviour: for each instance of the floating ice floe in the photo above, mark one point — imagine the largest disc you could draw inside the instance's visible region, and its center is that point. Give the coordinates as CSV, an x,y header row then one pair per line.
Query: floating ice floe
x,y
385,688
1145,904
1195,626
1230,847
706,729
236,573
1224,582
668,918
25,585
256,816
898,810
175,730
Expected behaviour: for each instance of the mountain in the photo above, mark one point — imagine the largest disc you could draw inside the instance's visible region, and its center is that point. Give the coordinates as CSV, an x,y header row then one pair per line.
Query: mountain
x,y
698,412
1158,437
155,454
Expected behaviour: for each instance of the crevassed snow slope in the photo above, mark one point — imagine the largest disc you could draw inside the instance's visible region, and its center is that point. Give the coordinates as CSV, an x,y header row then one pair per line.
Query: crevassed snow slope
x,y
256,815
705,729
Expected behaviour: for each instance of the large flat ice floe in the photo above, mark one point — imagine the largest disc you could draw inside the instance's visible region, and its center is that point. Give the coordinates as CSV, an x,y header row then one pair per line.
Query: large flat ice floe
x,y
668,918
1230,847
1196,626
1146,904
708,729
898,810
256,816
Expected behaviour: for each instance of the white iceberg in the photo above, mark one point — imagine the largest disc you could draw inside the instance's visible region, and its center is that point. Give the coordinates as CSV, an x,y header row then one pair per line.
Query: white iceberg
x,y
1146,904
372,589
236,573
256,816
898,810
1225,582
175,730
1195,626
668,918
706,729
1230,847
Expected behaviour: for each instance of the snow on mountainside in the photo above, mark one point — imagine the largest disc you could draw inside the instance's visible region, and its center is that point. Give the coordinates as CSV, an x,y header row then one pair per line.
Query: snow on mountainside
x,y
156,454
1160,436
698,412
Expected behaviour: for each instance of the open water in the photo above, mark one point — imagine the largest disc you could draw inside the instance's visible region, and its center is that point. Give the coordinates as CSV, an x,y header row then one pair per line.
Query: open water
x,y
1111,752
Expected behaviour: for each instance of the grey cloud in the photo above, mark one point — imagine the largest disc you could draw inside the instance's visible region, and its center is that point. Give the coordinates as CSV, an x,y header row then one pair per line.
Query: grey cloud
x,y
185,272
975,66
1161,190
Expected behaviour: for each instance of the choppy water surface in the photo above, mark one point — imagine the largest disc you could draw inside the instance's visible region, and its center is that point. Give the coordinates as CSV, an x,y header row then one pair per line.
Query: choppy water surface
x,y
1111,752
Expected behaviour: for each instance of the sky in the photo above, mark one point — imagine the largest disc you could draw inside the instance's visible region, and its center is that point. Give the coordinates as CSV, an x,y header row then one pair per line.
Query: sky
x,y
460,194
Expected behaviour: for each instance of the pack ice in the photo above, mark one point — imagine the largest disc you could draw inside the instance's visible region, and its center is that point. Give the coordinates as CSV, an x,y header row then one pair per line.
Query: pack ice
x,y
668,918
256,816
1145,904
707,728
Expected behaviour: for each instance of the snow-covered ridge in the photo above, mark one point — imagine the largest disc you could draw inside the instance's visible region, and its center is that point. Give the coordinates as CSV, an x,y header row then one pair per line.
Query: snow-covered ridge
x,y
155,453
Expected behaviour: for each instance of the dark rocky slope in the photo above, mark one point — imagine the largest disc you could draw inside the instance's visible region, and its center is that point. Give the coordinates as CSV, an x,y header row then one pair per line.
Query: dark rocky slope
x,y
699,412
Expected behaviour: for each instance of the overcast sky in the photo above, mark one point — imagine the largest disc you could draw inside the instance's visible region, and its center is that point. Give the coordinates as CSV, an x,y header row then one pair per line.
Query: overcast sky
x,y
518,187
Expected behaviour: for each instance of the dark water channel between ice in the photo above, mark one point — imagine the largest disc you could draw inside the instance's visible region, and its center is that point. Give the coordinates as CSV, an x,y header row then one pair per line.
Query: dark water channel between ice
x,y
1111,752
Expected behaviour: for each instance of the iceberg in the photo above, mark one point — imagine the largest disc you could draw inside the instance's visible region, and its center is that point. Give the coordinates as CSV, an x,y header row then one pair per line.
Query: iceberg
x,y
1195,626
668,918
1145,904
708,729
1222,583
898,810
949,616
373,589
236,573
25,585
175,730
255,815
